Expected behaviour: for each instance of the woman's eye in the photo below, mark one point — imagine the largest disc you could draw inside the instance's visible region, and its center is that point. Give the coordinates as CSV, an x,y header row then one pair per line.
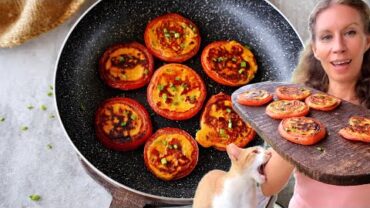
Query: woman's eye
x,y
351,33
325,37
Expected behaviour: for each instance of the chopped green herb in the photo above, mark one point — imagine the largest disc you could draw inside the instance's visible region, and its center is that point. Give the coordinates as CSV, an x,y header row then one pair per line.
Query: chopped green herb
x,y
320,149
165,30
146,71
164,96
167,35
43,107
184,85
214,59
163,161
192,98
35,197
230,124
30,107
51,87
247,46
228,110
173,87
82,107
222,133
2,119
243,64
124,123
49,146
164,142
51,116
160,87
24,128
50,94
241,71
220,59
133,117
182,45
121,59
175,146
177,78
233,59
177,35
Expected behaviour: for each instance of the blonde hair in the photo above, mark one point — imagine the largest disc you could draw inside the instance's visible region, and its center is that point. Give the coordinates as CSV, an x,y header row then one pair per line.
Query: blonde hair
x,y
309,70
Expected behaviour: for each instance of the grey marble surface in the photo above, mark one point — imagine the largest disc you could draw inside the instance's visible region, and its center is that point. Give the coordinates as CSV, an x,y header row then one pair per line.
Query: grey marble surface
x,y
35,155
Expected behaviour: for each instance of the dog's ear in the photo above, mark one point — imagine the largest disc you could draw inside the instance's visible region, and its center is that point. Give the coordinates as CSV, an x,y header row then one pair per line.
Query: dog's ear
x,y
233,151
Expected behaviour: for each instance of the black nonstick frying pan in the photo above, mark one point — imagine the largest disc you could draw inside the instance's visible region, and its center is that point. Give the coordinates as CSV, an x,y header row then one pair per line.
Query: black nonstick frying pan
x,y
79,90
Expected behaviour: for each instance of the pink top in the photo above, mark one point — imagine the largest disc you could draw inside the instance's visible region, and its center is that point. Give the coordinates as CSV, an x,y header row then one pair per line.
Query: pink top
x,y
311,193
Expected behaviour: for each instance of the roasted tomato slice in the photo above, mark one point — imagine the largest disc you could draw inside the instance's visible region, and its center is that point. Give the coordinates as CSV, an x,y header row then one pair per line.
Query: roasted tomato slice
x,y
280,109
322,101
176,92
171,153
254,97
122,124
292,92
358,129
302,130
126,66
172,38
220,125
229,63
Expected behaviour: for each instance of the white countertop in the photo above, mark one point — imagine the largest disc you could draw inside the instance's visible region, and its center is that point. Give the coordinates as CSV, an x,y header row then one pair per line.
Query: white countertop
x,y
41,160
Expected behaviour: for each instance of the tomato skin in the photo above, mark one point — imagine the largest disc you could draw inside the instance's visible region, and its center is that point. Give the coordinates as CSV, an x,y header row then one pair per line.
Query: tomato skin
x,y
244,99
302,139
296,94
166,113
174,55
122,84
346,133
234,70
169,131
129,143
282,115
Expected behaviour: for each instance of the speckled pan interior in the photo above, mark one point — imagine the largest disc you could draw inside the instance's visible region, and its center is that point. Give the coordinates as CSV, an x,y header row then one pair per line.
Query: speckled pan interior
x,y
79,89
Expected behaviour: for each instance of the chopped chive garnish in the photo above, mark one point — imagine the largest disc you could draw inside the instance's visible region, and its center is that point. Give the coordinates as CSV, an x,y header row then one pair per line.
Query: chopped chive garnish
x,y
177,78
35,197
123,123
24,128
49,146
175,146
2,119
121,59
50,94
30,107
133,117
163,161
243,64
220,59
177,35
228,110
164,96
241,71
146,71
51,116
43,107
160,87
230,124
233,59
51,87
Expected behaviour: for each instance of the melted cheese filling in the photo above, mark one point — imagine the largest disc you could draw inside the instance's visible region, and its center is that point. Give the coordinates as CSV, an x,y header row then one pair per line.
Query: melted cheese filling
x,y
130,74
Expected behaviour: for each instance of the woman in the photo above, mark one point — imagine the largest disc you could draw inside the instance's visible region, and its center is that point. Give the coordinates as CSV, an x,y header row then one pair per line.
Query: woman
x,y
337,61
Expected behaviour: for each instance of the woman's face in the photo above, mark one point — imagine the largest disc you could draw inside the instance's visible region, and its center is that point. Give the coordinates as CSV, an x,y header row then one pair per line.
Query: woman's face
x,y
340,43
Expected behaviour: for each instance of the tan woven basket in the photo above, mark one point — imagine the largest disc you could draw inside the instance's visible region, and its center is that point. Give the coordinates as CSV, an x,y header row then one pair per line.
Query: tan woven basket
x,y
21,20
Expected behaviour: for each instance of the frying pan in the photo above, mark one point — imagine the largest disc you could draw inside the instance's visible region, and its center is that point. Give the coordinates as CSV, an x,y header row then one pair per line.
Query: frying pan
x,y
79,90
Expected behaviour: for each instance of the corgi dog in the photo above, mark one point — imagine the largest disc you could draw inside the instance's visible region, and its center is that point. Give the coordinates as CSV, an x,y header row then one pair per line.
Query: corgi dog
x,y
237,187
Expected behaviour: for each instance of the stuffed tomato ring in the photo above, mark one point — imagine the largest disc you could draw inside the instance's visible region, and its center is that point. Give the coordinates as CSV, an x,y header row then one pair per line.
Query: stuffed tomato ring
x,y
126,66
292,92
176,92
280,109
357,130
171,153
302,130
172,38
122,124
254,97
322,101
229,63
220,125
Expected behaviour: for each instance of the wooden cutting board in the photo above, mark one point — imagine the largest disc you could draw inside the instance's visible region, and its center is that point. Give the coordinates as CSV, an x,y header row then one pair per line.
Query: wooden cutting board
x,y
333,160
